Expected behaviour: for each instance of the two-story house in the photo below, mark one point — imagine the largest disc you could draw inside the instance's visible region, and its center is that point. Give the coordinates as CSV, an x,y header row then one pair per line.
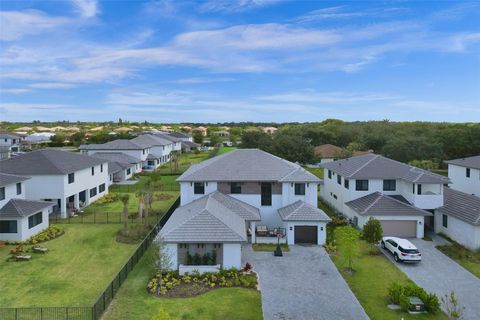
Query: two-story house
x,y
243,195
121,166
20,218
397,194
181,135
464,174
71,180
160,148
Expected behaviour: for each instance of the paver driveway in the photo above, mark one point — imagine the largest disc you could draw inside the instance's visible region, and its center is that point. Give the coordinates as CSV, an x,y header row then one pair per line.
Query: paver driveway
x,y
303,284
439,274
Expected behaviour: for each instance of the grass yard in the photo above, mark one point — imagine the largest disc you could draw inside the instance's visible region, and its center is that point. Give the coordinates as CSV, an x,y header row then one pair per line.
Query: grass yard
x,y
468,259
269,247
133,302
225,150
77,268
370,280
316,171
186,160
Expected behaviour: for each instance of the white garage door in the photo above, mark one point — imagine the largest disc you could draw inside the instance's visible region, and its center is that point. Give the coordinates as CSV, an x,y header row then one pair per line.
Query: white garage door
x,y
399,228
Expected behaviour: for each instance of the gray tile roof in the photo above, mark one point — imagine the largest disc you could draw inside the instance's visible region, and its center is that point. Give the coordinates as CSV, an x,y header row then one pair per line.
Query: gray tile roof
x,y
180,135
114,167
6,179
190,144
16,208
247,165
9,135
374,166
212,218
167,136
119,144
151,140
470,162
460,205
302,211
117,157
379,204
48,161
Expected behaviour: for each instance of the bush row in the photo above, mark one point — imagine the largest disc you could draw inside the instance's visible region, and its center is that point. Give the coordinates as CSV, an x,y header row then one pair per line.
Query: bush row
x,y
400,294
50,233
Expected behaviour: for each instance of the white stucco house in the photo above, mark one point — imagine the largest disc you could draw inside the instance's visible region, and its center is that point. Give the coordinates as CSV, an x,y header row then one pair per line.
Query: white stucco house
x,y
19,218
280,198
182,136
71,180
401,196
459,218
160,148
11,140
464,174
121,166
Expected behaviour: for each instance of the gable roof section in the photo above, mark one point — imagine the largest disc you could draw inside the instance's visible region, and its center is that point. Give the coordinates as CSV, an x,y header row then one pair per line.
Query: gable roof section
x,y
117,157
374,166
470,162
151,140
460,205
167,137
17,208
6,179
302,211
247,165
212,218
180,135
119,144
378,204
48,161
328,151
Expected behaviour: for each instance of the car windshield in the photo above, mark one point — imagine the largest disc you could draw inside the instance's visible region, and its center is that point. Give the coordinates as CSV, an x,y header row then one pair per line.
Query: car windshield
x,y
407,250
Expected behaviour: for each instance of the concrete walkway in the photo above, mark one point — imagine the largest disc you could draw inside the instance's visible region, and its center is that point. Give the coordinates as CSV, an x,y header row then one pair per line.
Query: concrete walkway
x,y
439,274
303,284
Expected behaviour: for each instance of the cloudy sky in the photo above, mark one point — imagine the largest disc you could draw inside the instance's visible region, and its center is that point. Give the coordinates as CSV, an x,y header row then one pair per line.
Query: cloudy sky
x,y
245,60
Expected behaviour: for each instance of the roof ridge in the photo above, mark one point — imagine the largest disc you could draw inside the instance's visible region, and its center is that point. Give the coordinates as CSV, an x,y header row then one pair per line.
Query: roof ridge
x,y
376,156
374,202
42,152
405,203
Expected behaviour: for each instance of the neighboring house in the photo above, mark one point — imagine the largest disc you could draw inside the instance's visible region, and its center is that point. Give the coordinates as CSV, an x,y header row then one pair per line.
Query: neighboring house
x,y
459,218
160,148
266,182
395,193
39,137
121,166
177,142
11,140
188,146
5,152
71,180
182,136
201,130
19,218
269,130
137,150
328,152
464,174
222,133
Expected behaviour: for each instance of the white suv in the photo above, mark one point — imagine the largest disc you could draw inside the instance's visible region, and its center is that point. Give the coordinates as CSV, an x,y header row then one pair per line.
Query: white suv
x,y
402,249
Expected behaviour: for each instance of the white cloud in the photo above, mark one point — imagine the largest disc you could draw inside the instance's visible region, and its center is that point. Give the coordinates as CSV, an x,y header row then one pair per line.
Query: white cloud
x,y
14,90
17,24
86,8
235,5
51,85
203,80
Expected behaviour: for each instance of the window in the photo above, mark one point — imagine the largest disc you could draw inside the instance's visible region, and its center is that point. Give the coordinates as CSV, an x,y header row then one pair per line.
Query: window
x,y
445,221
329,174
2,193
200,245
93,171
35,220
143,151
71,178
346,183
8,226
235,187
467,172
19,188
389,185
339,179
183,245
419,189
299,189
93,192
129,171
199,188
361,185
217,245
101,188
266,194
101,167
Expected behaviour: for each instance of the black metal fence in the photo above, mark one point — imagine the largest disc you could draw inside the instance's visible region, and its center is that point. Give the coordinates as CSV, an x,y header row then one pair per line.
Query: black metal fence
x,y
96,311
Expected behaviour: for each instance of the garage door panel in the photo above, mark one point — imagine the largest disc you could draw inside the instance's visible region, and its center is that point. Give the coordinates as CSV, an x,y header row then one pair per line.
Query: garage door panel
x,y
399,228
306,234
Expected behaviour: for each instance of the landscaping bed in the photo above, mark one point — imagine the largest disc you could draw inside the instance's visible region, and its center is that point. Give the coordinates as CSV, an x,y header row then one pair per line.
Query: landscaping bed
x,y
48,234
468,259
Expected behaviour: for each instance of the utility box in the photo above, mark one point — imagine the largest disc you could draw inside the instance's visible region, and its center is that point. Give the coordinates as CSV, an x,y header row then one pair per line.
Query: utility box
x,y
416,305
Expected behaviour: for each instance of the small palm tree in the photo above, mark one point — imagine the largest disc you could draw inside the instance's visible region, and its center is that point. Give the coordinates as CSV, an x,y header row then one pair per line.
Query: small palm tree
x,y
141,202
125,198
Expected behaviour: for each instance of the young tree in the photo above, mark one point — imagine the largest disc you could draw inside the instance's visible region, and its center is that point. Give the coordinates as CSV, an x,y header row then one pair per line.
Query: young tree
x,y
161,259
372,232
141,202
347,240
452,306
198,137
161,315
125,198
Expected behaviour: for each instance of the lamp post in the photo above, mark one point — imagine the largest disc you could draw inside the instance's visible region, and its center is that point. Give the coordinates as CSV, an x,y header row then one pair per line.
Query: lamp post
x,y
278,250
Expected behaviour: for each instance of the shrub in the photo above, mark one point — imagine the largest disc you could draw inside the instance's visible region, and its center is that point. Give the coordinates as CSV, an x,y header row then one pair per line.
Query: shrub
x,y
161,315
372,231
400,294
50,233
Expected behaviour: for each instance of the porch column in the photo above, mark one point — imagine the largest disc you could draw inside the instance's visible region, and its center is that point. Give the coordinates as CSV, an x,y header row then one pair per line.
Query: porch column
x,y
252,228
76,201
63,208
87,197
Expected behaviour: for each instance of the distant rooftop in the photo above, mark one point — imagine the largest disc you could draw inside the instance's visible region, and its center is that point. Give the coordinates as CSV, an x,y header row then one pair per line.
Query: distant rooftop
x,y
470,162
460,205
119,144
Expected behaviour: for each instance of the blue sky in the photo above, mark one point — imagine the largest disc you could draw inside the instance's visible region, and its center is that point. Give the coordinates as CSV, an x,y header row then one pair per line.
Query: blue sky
x,y
257,60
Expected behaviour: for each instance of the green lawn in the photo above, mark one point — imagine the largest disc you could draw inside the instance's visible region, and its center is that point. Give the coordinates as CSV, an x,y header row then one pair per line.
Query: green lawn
x,y
77,268
372,276
133,302
186,160
316,171
466,258
225,150
269,247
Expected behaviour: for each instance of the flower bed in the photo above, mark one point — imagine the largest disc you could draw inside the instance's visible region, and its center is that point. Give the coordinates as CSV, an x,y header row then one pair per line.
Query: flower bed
x,y
172,285
48,234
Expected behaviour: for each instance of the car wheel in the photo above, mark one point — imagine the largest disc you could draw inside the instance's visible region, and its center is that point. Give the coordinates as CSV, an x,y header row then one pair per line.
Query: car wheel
x,y
382,244
395,256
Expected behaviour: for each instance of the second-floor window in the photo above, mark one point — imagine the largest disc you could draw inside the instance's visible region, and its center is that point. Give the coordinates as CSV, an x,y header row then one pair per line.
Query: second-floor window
x,y
346,183
101,167
71,178
467,172
266,194
19,188
339,179
389,185
2,193
361,185
329,174
199,188
299,189
235,187
129,171
93,171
